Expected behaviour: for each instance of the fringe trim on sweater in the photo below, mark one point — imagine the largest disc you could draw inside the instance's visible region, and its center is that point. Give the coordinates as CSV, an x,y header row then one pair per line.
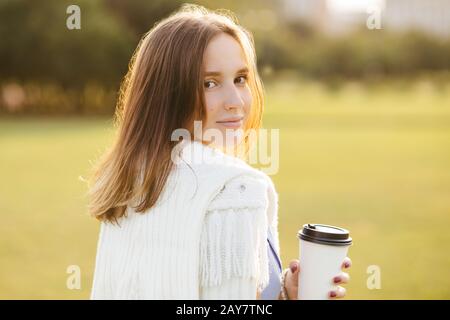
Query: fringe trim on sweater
x,y
234,244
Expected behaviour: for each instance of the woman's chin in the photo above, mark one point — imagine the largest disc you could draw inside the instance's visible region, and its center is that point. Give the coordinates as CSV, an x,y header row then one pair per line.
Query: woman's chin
x,y
224,138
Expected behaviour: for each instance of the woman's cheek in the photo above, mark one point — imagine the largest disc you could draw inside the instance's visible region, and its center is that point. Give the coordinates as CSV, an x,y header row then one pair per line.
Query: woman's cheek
x,y
211,110
247,97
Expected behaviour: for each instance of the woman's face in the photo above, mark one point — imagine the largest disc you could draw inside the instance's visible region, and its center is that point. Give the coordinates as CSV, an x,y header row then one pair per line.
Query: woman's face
x,y
227,94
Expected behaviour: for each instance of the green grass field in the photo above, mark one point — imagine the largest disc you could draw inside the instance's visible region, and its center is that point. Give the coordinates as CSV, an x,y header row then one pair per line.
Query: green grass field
x,y
374,160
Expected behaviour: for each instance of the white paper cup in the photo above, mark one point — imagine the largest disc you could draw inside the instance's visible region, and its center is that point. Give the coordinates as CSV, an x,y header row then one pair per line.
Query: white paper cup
x,y
323,248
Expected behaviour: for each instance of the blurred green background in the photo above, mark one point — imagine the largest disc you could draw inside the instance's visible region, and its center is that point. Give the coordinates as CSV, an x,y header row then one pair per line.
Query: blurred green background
x,y
364,119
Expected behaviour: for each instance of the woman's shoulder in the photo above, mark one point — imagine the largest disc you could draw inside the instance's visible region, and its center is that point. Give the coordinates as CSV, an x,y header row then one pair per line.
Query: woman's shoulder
x,y
229,178
243,191
202,158
233,240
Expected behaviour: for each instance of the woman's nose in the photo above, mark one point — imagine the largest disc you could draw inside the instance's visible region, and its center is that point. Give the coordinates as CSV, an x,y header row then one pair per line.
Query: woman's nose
x,y
233,99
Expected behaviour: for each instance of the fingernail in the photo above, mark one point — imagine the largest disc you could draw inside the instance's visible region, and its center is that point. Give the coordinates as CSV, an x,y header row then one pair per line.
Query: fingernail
x,y
346,265
332,294
337,279
293,268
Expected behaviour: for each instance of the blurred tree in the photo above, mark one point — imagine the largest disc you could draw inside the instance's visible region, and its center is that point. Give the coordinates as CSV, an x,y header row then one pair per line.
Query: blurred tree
x,y
37,45
141,15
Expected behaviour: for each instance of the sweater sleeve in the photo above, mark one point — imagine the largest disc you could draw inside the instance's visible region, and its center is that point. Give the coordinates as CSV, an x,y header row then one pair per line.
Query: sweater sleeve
x,y
233,248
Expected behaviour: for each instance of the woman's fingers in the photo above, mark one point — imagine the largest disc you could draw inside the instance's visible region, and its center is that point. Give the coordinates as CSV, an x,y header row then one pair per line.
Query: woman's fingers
x,y
294,265
343,277
291,281
347,263
338,293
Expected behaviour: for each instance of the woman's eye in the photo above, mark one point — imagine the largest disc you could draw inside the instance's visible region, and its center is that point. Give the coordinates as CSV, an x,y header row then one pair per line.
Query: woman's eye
x,y
210,84
241,79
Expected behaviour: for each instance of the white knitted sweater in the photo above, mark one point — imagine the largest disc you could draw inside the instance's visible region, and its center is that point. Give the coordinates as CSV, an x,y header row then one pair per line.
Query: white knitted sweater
x,y
204,239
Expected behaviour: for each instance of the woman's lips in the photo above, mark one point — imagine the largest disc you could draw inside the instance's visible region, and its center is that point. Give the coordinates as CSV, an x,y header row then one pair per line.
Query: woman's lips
x,y
231,124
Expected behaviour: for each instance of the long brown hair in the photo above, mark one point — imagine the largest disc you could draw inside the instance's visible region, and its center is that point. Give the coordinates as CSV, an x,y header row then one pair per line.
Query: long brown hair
x,y
162,91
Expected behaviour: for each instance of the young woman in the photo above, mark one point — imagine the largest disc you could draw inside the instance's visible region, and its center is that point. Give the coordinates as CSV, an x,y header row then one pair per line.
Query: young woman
x,y
189,219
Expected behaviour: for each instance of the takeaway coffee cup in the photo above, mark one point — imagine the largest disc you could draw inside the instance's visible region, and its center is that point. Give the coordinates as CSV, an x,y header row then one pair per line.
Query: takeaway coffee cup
x,y
323,248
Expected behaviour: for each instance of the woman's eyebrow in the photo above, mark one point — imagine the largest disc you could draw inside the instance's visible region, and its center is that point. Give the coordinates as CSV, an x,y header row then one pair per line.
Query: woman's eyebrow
x,y
243,70
218,73
213,73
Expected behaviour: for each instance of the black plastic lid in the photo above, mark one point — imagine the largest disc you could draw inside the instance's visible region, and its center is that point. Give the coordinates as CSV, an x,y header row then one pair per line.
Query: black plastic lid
x,y
325,234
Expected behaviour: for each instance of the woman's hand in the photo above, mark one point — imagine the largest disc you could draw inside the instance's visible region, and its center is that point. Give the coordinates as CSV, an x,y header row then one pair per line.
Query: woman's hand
x,y
291,282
